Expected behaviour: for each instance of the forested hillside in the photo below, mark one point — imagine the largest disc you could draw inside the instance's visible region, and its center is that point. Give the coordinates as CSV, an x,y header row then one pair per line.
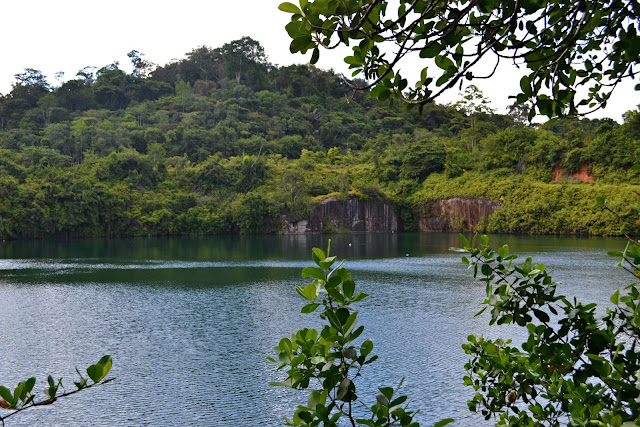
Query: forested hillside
x,y
225,142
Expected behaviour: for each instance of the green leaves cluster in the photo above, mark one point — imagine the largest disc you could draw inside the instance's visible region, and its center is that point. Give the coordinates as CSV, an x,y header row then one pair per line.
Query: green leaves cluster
x,y
329,361
23,397
575,368
564,45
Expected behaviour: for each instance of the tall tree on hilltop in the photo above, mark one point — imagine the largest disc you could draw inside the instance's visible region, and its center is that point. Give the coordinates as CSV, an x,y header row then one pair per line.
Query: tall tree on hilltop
x,y
245,62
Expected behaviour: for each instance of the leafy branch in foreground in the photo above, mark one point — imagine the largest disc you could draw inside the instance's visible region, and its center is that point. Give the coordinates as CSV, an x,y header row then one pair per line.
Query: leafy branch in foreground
x,y
562,45
328,362
575,368
23,398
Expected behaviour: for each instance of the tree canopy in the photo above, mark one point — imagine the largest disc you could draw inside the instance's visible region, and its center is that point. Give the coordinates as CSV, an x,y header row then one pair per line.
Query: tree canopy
x,y
574,52
222,141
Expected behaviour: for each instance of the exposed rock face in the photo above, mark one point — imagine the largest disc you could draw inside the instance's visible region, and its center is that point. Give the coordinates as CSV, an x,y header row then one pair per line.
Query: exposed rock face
x,y
457,213
353,215
294,225
582,174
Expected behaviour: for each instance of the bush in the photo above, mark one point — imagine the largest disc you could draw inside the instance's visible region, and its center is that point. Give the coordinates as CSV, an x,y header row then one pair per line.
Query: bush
x,y
575,368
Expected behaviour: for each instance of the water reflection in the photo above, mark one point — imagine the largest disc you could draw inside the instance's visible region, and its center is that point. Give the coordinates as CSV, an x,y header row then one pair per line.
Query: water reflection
x,y
190,322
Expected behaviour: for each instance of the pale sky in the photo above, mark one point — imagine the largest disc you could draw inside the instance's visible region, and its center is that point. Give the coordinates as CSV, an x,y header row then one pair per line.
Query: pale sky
x,y
67,35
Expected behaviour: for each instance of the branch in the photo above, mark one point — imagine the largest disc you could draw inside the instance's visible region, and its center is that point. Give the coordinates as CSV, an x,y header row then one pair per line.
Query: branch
x,y
50,401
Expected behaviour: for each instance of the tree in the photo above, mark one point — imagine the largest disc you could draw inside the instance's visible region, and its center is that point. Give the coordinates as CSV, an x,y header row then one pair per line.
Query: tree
x,y
28,88
88,73
202,63
473,103
76,95
564,45
575,368
112,87
423,158
329,361
519,113
244,60
141,67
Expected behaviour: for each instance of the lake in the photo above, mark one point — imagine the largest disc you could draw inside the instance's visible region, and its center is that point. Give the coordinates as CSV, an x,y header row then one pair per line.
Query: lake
x,y
190,322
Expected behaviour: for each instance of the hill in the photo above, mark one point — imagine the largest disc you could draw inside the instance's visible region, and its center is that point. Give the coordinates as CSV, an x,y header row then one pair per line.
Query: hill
x,y
225,142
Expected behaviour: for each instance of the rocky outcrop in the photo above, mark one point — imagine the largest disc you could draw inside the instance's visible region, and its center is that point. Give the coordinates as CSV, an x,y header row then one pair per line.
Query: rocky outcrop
x,y
456,214
294,225
582,174
352,214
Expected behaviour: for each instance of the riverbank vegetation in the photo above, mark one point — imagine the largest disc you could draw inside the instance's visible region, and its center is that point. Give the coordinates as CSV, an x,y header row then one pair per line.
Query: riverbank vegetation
x,y
225,142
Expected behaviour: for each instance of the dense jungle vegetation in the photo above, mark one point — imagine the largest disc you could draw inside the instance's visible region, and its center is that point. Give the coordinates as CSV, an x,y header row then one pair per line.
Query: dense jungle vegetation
x,y
222,141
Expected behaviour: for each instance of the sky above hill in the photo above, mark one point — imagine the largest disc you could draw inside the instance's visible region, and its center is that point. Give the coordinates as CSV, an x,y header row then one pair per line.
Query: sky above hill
x,y
68,35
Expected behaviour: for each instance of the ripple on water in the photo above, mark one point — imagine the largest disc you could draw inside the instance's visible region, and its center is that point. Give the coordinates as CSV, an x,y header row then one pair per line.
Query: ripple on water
x,y
190,338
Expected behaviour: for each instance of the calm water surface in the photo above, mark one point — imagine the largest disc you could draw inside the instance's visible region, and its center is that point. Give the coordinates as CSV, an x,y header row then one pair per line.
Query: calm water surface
x,y
190,322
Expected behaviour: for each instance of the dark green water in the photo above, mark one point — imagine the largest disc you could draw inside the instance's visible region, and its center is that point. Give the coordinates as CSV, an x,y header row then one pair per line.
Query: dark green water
x,y
189,322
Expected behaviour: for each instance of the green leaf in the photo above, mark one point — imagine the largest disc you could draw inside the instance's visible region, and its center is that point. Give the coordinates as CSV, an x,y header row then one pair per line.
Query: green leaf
x,y
327,263
382,400
459,250
525,85
444,62
95,373
28,386
361,295
5,393
376,90
366,347
615,297
503,251
316,398
464,240
289,8
349,288
400,400
486,269
350,323
106,363
318,255
595,357
444,422
301,44
309,308
17,392
343,389
333,320
313,273
386,392
100,370
541,315
310,292
315,56
384,95
333,282
349,353
297,29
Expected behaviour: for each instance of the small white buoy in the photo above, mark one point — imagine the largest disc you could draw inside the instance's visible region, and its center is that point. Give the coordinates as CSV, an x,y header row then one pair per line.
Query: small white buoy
x,y
407,255
349,244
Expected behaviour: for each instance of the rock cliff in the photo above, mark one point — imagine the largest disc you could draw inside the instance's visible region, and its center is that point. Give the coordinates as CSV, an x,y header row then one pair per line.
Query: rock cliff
x,y
456,214
352,214
583,174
